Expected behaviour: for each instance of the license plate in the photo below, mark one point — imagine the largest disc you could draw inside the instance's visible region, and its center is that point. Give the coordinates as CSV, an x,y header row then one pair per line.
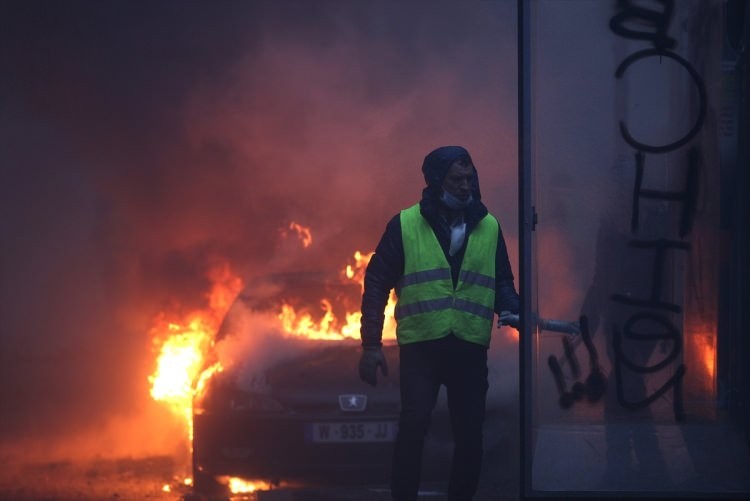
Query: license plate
x,y
351,431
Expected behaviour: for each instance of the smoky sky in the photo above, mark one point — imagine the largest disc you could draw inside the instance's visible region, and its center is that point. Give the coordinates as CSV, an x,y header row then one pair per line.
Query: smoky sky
x,y
142,142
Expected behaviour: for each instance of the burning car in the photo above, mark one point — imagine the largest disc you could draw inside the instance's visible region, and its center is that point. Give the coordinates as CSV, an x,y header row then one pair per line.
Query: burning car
x,y
289,407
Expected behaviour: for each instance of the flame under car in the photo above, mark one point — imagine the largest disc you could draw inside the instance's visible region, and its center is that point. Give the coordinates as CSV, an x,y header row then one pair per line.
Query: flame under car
x,y
304,417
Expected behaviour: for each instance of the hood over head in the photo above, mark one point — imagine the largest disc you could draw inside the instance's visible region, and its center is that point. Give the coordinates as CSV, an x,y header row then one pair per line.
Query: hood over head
x,y
436,165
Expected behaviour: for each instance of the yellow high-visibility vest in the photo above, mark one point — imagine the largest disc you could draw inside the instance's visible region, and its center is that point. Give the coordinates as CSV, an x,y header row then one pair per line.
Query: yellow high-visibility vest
x,y
429,307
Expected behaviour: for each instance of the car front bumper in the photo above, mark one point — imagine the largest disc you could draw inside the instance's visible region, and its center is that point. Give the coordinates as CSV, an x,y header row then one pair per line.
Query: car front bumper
x,y
324,448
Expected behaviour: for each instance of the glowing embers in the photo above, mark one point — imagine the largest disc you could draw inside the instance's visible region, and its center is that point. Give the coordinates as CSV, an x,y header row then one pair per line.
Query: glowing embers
x,y
238,485
179,484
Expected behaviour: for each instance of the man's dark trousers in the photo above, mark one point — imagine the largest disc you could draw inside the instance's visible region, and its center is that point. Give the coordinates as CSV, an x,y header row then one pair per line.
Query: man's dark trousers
x,y
462,367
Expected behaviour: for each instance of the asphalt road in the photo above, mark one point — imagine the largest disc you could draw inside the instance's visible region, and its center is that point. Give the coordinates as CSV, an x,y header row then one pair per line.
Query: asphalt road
x,y
139,479
144,479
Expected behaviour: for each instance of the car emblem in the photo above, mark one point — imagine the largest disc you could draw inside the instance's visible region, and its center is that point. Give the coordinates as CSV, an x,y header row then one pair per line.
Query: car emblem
x,y
352,403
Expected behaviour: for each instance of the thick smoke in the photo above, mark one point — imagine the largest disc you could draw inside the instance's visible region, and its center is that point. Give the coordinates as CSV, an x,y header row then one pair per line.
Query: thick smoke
x,y
144,142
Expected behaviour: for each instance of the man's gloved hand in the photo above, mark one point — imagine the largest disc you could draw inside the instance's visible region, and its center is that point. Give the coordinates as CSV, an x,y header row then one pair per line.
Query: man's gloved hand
x,y
372,357
508,318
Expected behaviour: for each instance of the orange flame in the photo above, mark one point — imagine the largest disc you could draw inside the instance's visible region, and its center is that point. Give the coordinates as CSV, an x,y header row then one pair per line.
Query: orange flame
x,y
706,348
184,344
357,272
241,486
302,232
330,328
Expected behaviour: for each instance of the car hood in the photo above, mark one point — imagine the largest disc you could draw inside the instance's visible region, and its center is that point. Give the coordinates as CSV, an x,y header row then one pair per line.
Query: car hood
x,y
321,375
312,379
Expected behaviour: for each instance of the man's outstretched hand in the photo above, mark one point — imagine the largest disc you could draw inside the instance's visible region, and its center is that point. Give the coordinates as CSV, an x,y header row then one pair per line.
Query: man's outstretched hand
x,y
509,319
372,357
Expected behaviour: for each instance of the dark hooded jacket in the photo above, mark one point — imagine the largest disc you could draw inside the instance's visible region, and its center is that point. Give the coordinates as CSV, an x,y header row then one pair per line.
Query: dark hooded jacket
x,y
387,264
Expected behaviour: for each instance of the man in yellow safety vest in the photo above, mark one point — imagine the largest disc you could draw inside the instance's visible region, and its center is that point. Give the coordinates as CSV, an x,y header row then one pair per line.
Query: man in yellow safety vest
x,y
446,257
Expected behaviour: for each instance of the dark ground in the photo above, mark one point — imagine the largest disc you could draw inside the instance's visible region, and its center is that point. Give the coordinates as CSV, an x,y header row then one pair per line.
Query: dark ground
x,y
144,479
130,479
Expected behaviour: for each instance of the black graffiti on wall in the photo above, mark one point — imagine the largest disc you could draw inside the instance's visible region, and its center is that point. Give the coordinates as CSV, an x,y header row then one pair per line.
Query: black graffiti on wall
x,y
671,335
653,312
594,386
688,197
701,88
637,15
650,324
659,274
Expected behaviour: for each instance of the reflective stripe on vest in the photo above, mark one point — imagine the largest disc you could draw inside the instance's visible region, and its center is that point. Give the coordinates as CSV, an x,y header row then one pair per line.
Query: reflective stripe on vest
x,y
429,307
